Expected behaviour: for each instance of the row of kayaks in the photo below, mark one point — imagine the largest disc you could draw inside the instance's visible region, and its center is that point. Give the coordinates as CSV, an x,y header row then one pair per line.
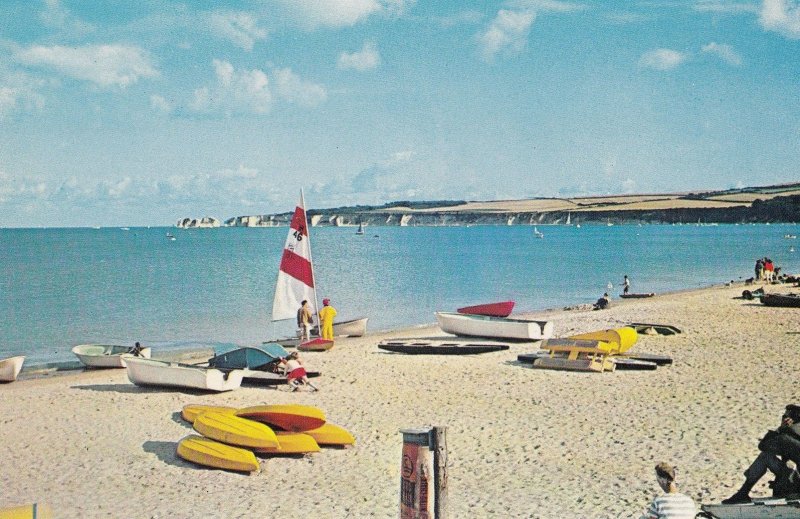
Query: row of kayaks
x,y
230,438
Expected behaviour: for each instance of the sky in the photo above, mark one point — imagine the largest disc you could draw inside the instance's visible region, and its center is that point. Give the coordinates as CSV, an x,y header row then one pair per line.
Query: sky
x,y
142,113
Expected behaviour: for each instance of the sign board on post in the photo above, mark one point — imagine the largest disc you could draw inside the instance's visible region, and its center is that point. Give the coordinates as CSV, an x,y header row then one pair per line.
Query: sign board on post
x,y
422,475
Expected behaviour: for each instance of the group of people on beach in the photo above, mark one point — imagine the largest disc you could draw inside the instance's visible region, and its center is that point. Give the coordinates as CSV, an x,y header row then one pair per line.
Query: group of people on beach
x,y
305,320
780,455
765,270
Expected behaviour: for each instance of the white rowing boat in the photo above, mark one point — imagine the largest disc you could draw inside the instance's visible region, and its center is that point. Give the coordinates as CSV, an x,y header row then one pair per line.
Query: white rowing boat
x,y
148,372
10,368
106,355
468,325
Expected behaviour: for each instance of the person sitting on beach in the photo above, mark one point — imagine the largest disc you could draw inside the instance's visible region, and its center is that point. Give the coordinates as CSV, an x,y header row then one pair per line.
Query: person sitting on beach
x,y
777,448
673,504
602,303
295,372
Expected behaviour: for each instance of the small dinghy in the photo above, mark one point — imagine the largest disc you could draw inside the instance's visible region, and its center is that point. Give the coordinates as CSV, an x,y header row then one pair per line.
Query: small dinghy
x,y
470,325
784,300
107,355
431,347
263,358
502,309
758,508
315,345
10,368
655,329
147,372
637,296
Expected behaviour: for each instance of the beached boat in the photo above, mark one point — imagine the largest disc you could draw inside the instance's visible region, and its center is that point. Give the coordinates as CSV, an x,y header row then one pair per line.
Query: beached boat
x,y
785,300
10,368
501,309
655,329
351,328
767,508
493,327
658,360
210,453
106,355
429,347
317,344
256,359
637,296
148,372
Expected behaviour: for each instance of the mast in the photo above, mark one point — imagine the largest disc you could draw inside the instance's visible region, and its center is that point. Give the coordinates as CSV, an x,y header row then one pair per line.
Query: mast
x,y
310,257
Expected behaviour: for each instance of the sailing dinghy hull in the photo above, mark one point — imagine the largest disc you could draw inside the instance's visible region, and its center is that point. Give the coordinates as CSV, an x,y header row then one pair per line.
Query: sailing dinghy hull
x,y
10,368
106,355
467,325
147,372
502,309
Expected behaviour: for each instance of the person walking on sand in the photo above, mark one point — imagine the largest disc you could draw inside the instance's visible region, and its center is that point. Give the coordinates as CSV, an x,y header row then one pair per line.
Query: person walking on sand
x,y
296,374
326,316
777,448
305,319
626,283
672,504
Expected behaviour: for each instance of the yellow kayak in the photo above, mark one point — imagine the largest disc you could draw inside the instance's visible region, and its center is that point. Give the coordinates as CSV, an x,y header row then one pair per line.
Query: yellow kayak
x,y
292,443
330,434
191,411
233,430
624,337
218,455
288,417
34,511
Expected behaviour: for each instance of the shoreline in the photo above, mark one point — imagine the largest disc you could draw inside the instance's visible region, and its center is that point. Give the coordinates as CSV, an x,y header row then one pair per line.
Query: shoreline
x,y
521,442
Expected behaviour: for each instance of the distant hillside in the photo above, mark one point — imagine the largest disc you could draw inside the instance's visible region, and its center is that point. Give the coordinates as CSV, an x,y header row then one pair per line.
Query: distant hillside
x,y
780,203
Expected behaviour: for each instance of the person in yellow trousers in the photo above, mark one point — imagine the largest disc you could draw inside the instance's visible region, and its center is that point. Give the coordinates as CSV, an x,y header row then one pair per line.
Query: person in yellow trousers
x,y
326,316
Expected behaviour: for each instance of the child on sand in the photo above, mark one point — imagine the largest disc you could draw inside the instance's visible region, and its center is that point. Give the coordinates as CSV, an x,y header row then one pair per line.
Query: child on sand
x,y
295,372
672,504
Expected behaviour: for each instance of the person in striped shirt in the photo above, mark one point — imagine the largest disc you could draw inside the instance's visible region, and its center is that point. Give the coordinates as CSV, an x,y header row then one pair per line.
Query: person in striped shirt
x,y
673,504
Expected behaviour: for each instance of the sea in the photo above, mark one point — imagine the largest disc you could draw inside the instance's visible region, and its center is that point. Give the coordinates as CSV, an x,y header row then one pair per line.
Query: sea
x,y
214,287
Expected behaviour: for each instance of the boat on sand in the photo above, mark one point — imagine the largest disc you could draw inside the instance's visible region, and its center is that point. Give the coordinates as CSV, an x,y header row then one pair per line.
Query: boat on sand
x,y
106,355
148,372
467,325
632,295
784,300
10,368
439,347
210,453
351,328
501,309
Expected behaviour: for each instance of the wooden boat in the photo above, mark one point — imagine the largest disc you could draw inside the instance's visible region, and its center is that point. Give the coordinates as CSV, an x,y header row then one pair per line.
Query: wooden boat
x,y
427,347
757,509
784,300
575,355
256,359
10,368
637,296
106,355
317,344
493,327
660,329
501,309
210,453
351,328
148,372
291,443
658,360
288,417
235,430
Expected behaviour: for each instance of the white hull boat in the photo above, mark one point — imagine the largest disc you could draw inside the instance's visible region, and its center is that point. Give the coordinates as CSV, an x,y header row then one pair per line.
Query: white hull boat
x,y
106,355
468,325
10,368
352,328
147,372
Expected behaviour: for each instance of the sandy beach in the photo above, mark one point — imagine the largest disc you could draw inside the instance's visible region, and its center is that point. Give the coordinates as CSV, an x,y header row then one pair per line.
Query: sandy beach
x,y
522,442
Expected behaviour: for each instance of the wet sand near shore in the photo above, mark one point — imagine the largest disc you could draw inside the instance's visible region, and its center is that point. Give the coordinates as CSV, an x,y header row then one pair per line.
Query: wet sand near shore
x,y
521,442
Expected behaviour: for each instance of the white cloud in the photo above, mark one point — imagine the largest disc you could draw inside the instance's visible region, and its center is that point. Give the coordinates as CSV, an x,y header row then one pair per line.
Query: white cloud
x,y
105,65
547,5
340,13
724,52
508,32
365,59
234,92
238,27
160,104
19,92
58,16
782,16
725,7
662,59
290,87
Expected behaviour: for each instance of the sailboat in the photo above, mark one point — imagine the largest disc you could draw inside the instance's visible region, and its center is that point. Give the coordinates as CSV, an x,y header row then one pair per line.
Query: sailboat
x,y
296,277
360,228
537,233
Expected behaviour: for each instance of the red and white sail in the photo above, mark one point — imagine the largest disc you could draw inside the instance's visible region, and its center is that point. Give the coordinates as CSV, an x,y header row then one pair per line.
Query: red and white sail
x,y
296,273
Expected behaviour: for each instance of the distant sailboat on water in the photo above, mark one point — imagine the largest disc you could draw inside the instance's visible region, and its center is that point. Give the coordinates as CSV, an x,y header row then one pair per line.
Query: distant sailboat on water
x,y
537,233
360,228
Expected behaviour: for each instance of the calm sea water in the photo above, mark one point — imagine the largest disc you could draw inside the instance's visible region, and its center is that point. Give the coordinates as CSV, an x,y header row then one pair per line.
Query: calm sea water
x,y
63,287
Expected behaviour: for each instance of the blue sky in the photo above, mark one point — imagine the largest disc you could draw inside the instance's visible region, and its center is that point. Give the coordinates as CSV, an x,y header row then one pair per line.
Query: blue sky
x,y
140,113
